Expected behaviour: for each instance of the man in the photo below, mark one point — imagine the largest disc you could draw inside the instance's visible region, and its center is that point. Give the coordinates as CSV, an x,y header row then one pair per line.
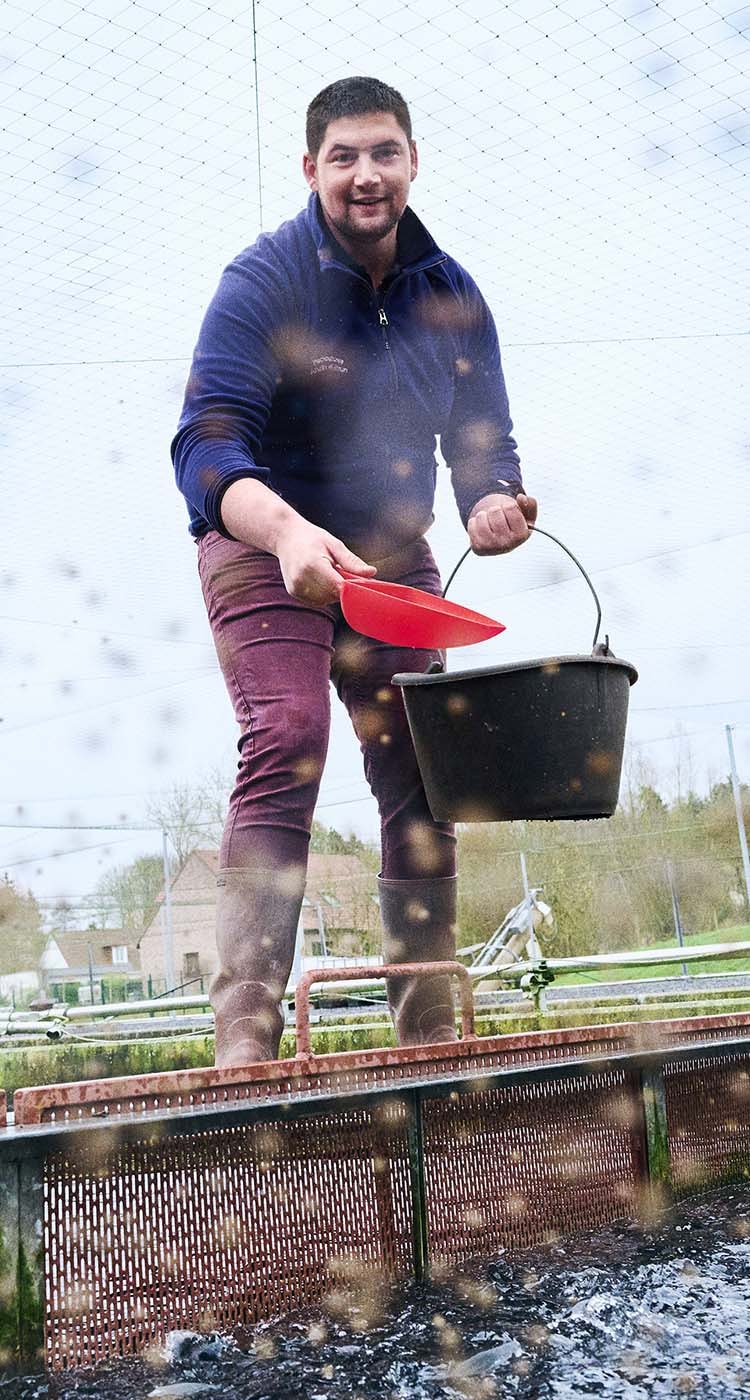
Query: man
x,y
333,353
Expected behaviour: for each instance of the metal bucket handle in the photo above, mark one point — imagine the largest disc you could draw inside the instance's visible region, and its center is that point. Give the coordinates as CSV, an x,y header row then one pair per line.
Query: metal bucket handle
x,y
603,649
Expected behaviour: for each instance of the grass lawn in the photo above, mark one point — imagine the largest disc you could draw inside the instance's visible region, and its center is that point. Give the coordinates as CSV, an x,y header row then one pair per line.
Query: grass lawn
x,y
738,933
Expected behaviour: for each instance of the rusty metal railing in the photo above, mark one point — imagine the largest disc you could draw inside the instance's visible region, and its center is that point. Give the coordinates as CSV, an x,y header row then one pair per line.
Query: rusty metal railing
x,y
341,976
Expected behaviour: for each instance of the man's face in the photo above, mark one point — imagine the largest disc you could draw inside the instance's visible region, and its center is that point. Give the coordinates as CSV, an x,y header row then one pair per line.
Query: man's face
x,y
362,174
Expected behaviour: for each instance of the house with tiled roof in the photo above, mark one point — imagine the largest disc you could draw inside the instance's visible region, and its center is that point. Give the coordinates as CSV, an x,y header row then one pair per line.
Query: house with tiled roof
x,y
86,959
340,919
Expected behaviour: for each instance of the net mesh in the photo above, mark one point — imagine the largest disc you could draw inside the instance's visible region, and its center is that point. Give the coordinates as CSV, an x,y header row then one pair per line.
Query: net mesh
x,y
586,161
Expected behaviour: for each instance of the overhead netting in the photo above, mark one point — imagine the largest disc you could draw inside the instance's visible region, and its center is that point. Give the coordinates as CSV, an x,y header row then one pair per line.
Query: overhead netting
x,y
587,162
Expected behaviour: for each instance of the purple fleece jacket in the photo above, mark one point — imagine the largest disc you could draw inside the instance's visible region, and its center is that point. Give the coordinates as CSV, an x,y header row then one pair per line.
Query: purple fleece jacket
x,y
333,394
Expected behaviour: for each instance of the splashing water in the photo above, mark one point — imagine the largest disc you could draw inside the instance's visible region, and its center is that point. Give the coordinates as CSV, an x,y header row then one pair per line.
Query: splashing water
x,y
621,1313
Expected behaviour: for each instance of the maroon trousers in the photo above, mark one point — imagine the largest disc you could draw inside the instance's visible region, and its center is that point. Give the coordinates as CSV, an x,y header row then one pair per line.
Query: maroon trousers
x,y
279,657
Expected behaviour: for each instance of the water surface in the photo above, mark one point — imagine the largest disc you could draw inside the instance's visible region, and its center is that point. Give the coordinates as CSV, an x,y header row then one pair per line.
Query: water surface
x,y
625,1313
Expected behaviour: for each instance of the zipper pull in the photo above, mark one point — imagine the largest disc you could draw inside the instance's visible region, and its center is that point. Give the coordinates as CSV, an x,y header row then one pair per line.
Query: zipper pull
x,y
382,317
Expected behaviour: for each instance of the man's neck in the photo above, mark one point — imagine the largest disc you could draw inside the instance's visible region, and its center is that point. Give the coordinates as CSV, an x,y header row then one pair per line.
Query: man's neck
x,y
377,259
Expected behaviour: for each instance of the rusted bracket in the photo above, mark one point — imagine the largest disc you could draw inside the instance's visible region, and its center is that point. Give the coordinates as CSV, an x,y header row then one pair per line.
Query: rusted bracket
x,y
368,974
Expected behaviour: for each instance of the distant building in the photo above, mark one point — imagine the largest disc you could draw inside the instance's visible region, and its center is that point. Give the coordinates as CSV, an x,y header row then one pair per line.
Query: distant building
x,y
87,959
340,918
105,959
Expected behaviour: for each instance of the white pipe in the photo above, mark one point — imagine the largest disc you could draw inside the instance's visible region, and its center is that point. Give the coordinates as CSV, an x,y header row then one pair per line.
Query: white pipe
x,y
645,957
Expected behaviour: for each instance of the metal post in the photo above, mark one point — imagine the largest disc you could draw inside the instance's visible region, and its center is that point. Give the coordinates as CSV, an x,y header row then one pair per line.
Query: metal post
x,y
168,937
740,815
676,915
91,973
321,928
22,1297
656,1134
417,1182
536,986
532,946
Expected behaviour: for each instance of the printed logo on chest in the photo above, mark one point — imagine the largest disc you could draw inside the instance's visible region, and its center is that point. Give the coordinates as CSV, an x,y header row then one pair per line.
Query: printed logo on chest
x,y
328,364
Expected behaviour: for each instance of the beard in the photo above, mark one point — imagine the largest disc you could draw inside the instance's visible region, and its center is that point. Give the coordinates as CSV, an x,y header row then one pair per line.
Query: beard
x,y
367,230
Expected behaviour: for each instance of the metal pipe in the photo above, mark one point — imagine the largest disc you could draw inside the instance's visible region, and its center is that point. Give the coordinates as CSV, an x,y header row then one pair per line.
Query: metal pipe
x,y
167,910
648,957
338,977
115,1008
737,792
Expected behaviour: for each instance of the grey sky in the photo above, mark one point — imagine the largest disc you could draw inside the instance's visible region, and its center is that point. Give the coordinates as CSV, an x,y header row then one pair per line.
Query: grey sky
x,y
586,161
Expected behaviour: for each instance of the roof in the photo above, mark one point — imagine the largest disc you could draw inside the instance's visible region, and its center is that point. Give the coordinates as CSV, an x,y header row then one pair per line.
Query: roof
x,y
203,866
75,946
326,874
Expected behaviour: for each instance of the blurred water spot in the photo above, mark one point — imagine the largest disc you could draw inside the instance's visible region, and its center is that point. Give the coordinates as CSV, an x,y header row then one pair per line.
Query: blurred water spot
x,y
83,169
67,568
94,740
170,715
120,660
695,662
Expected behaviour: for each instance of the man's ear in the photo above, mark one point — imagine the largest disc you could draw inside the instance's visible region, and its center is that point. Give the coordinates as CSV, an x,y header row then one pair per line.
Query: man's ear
x,y
310,171
414,159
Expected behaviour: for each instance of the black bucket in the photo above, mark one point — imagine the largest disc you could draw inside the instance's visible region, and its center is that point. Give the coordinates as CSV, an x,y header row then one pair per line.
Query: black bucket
x,y
531,741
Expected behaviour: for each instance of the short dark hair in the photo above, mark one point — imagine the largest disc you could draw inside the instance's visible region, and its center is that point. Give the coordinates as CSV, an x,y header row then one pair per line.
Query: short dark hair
x,y
352,97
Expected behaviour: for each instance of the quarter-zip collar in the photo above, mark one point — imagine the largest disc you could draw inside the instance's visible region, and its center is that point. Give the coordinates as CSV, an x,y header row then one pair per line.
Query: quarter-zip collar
x,y
416,249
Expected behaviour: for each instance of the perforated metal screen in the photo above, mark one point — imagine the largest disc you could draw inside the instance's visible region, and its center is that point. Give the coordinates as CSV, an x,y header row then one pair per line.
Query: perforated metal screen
x,y
507,1168
220,1229
708,1106
230,1226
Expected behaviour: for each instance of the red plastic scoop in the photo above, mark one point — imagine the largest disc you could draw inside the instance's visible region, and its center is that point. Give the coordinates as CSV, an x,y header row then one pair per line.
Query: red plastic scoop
x,y
408,617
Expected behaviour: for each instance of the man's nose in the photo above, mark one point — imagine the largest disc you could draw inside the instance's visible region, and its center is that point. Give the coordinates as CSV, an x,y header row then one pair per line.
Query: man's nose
x,y
366,172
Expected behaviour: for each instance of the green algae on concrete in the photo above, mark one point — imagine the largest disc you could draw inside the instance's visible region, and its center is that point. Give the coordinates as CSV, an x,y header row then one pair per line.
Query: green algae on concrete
x,y
29,1065
64,1063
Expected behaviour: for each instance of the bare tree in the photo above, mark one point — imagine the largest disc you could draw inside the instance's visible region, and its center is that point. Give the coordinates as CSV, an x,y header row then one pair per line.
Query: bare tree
x,y
62,913
191,813
134,890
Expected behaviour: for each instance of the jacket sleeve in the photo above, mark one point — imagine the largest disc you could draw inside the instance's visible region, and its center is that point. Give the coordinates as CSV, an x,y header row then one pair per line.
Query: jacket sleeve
x,y
477,445
230,389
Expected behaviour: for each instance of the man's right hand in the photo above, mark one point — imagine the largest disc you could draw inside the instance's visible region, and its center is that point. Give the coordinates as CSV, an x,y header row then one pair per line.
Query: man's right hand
x,y
310,559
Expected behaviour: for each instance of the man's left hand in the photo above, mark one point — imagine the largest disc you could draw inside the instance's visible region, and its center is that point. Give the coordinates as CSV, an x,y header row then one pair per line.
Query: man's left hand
x,y
500,523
